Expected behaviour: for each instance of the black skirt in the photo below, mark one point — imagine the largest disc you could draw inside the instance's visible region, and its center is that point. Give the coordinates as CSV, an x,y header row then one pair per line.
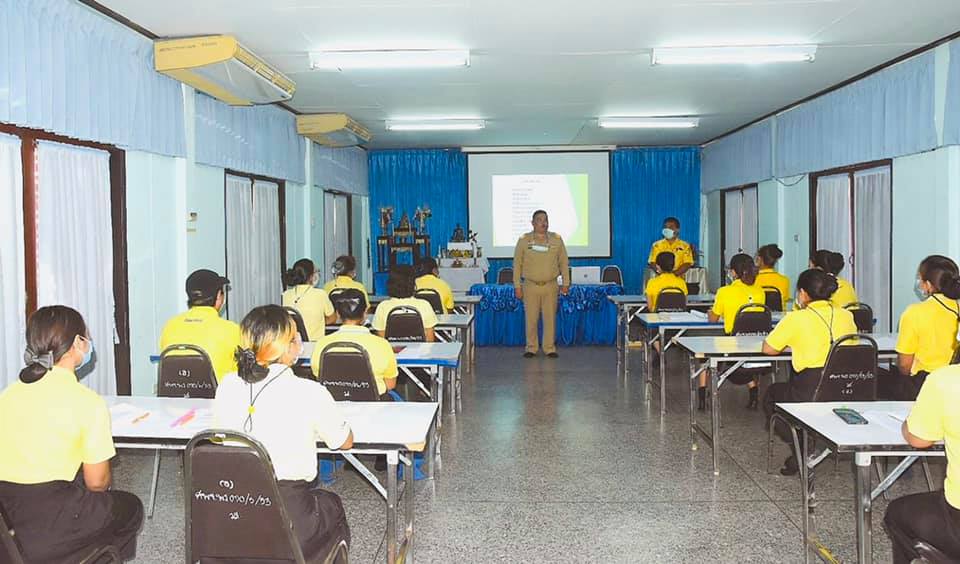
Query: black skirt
x,y
63,522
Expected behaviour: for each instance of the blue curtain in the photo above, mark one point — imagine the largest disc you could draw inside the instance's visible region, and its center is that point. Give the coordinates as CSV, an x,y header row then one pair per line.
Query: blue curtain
x,y
737,159
646,185
951,122
408,178
344,169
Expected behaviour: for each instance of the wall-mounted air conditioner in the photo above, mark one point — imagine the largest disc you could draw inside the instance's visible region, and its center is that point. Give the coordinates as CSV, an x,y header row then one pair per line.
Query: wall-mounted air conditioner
x,y
332,130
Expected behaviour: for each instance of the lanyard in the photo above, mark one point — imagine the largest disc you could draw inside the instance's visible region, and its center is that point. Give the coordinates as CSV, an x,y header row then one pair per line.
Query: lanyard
x,y
946,307
829,325
248,423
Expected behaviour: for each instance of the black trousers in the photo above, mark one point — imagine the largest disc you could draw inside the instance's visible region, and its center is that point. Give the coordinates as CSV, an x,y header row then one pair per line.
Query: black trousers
x,y
927,517
318,518
63,522
801,387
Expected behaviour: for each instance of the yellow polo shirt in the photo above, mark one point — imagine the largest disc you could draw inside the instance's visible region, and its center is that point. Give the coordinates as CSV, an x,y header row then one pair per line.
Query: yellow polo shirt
x,y
658,283
732,297
772,278
50,427
928,331
422,306
383,360
682,252
346,282
845,294
935,417
429,281
314,306
202,326
807,332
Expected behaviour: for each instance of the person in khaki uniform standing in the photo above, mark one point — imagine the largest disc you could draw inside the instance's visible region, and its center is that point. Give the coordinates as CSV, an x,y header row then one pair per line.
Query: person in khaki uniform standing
x,y
539,258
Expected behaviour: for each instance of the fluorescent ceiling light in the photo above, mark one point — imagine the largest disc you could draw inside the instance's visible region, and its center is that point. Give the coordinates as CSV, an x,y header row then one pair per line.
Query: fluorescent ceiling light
x,y
389,59
744,55
435,125
648,122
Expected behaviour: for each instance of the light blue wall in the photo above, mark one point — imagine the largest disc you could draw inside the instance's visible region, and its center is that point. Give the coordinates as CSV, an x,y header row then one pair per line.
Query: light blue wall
x,y
767,217
711,247
316,230
207,243
793,225
297,221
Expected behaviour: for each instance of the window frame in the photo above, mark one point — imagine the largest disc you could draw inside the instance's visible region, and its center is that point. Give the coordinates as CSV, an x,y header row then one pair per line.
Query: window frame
x,y
723,219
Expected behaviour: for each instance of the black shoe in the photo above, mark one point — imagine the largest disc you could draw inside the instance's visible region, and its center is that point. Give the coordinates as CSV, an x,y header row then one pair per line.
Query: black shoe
x,y
754,397
553,355
790,467
528,354
702,399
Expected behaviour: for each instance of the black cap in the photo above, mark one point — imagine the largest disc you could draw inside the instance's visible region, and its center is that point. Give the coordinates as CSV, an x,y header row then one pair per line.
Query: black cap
x,y
204,283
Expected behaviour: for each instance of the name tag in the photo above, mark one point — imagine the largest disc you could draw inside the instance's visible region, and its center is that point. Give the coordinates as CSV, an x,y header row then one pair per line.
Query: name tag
x,y
540,248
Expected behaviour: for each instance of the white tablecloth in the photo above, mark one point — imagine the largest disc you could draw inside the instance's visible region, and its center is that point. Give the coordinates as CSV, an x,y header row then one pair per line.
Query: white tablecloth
x,y
467,262
460,279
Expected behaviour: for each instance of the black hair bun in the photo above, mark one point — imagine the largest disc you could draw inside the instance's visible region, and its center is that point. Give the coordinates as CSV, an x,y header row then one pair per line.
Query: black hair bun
x,y
776,252
951,288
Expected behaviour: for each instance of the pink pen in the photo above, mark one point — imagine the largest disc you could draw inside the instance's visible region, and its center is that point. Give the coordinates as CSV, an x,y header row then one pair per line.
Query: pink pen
x,y
184,419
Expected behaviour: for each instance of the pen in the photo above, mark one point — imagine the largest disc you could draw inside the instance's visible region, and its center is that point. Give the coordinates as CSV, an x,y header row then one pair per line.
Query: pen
x,y
141,418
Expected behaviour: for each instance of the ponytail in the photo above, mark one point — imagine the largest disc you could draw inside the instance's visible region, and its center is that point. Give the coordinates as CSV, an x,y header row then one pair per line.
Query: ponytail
x,y
769,254
941,272
301,273
249,370
745,268
51,332
951,288
819,285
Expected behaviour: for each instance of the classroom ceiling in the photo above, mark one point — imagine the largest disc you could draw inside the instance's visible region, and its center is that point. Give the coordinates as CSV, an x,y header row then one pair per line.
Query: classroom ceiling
x,y
542,71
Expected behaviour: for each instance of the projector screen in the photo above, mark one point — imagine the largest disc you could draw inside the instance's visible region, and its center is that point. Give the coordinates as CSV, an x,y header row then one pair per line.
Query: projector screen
x,y
573,188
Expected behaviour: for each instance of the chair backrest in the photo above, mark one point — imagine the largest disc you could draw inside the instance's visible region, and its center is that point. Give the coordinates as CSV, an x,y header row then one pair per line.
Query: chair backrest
x,y
9,551
850,373
404,324
753,319
185,371
671,298
862,316
432,297
301,326
233,505
345,370
505,275
339,555
611,273
773,298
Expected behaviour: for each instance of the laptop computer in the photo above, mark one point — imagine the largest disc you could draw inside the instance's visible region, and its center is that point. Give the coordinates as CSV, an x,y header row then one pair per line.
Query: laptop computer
x,y
585,275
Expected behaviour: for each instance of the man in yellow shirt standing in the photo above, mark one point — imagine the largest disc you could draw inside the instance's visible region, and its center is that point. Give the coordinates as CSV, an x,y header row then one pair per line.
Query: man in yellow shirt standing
x,y
539,258
202,325
671,242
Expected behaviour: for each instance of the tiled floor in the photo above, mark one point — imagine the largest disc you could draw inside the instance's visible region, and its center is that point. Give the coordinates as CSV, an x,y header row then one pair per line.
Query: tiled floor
x,y
562,461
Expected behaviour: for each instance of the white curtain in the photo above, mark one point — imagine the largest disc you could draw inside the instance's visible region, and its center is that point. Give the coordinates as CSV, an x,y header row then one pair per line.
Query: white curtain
x,y
871,257
253,245
364,263
75,246
336,231
833,217
12,284
732,239
748,222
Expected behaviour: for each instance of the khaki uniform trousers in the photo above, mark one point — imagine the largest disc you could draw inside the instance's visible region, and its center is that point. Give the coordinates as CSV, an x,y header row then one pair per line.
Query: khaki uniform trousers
x,y
537,299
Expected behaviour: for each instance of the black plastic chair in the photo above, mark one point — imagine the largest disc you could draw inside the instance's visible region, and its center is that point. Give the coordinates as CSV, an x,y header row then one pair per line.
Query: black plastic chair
x,y
223,466
404,324
862,316
344,369
301,326
753,319
611,274
505,276
432,297
930,554
10,550
671,298
185,371
773,298
335,295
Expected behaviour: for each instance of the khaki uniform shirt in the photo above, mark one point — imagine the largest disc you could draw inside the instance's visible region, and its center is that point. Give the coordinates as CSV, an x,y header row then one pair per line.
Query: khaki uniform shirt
x,y
539,262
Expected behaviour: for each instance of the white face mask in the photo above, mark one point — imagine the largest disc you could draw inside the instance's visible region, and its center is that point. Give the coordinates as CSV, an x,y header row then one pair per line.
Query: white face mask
x,y
919,291
668,233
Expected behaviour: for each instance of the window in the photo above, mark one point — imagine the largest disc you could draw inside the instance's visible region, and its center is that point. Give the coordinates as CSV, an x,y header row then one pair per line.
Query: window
x,y
738,222
851,213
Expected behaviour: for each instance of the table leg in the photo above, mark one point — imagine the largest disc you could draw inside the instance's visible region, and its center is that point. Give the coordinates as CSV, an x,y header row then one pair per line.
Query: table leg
x,y
806,480
452,375
663,371
408,495
863,508
392,460
715,418
154,483
431,449
693,403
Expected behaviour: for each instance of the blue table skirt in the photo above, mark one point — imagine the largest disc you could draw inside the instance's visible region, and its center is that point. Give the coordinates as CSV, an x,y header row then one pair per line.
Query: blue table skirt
x,y
584,317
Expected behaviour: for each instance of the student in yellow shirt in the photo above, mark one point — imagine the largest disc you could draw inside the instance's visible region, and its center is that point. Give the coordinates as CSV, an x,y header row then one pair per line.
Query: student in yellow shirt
x,y
202,325
665,278
767,257
933,517
401,287
429,278
672,243
302,295
928,330
809,333
832,263
353,311
741,291
55,449
344,271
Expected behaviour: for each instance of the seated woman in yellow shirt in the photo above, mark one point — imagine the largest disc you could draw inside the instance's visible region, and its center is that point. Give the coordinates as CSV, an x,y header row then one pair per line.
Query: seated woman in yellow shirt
x,y
55,449
832,263
742,290
928,330
311,302
428,277
665,278
401,287
344,271
809,332
933,517
767,257
353,311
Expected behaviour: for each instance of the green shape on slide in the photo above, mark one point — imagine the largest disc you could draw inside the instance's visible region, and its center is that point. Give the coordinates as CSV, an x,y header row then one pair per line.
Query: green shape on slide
x,y
579,187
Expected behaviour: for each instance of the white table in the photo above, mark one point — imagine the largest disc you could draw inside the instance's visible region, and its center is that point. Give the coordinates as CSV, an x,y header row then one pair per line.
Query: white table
x,y
709,352
629,305
880,437
378,428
